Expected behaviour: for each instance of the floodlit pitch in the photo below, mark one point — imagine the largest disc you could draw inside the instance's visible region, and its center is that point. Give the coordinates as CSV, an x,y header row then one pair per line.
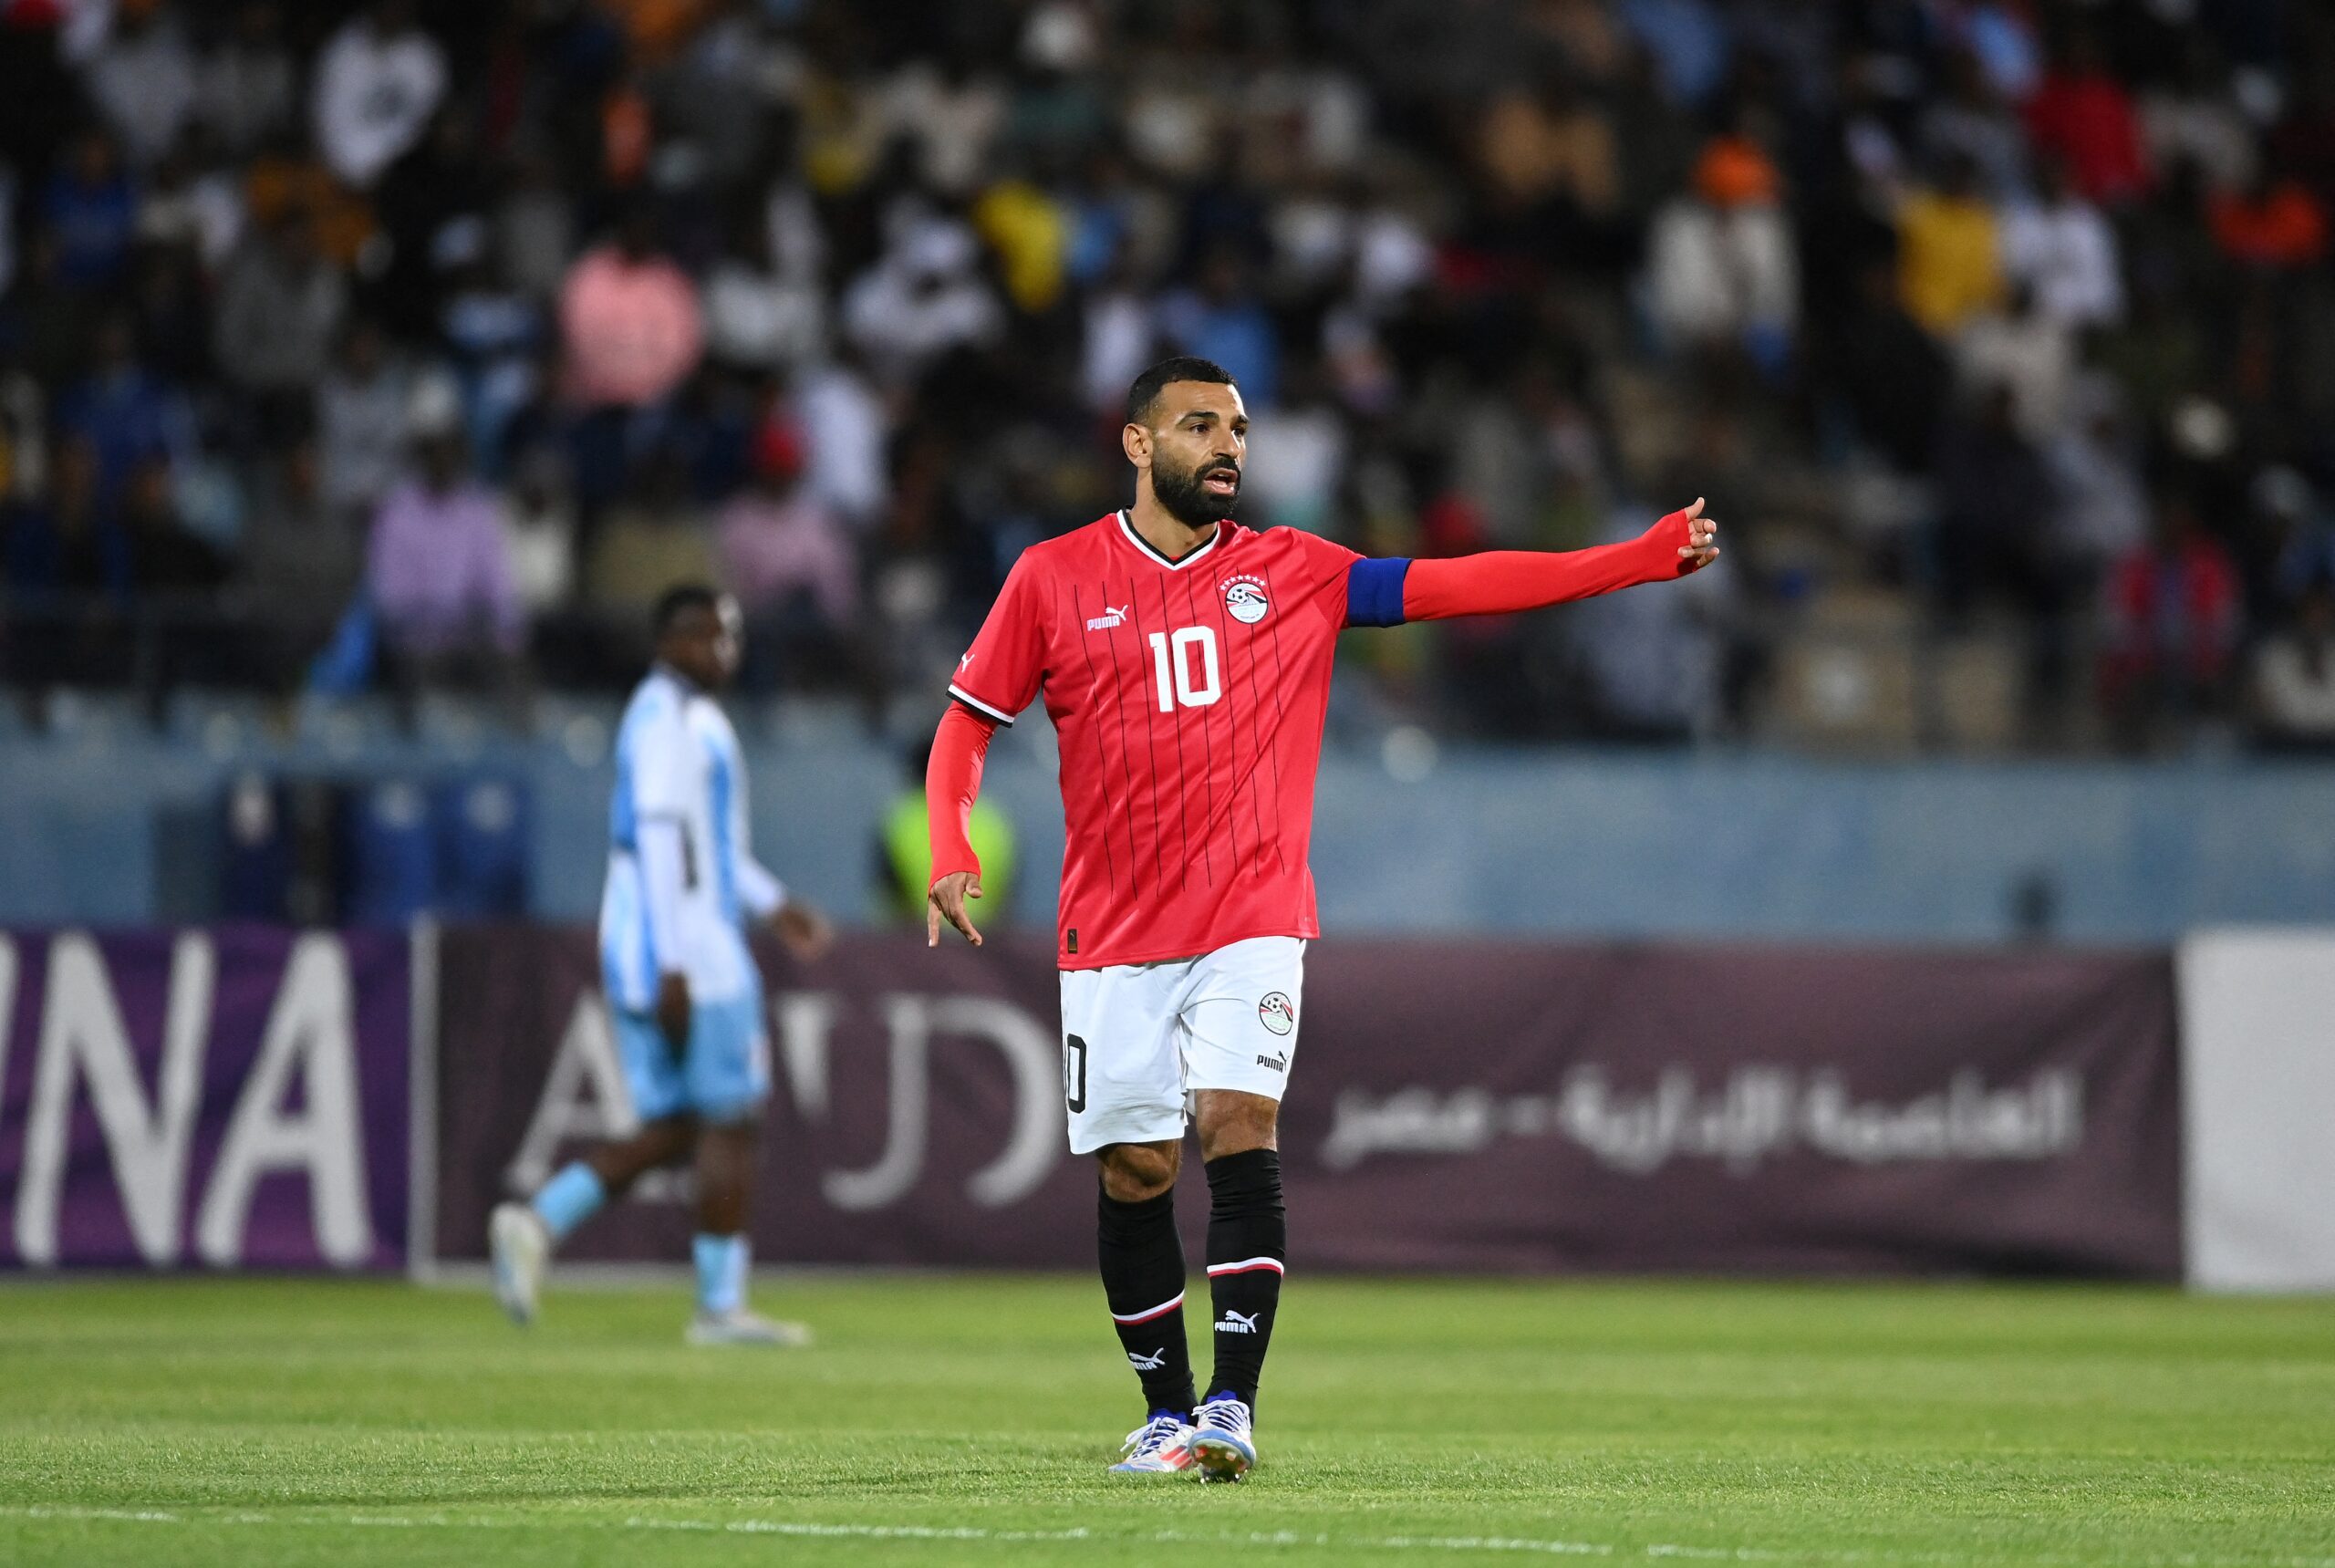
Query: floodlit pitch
x,y
945,1420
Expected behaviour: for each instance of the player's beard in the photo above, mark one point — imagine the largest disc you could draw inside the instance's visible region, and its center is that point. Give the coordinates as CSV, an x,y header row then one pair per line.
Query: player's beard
x,y
1189,501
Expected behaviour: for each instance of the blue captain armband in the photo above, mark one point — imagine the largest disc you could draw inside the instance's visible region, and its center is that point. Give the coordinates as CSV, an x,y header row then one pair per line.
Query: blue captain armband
x,y
1374,591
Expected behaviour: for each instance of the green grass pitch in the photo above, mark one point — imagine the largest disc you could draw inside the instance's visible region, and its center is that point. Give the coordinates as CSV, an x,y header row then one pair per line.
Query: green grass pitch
x,y
947,1420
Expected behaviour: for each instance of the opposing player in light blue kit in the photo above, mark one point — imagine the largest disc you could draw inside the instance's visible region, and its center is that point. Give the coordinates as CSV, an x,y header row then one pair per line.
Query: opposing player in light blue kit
x,y
681,985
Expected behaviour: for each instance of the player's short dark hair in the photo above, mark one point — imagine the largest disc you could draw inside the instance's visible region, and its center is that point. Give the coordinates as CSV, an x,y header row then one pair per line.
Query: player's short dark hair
x,y
678,601
1182,367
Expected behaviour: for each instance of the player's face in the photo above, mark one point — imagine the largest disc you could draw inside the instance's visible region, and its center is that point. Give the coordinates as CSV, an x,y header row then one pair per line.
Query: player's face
x,y
1198,438
705,645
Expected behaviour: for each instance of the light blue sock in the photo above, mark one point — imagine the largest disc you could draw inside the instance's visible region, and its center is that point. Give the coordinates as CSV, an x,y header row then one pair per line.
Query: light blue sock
x,y
721,1271
569,1199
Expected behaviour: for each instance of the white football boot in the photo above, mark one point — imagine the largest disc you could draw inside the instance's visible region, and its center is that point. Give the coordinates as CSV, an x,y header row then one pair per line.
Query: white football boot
x,y
1223,1442
521,1247
1160,1447
739,1326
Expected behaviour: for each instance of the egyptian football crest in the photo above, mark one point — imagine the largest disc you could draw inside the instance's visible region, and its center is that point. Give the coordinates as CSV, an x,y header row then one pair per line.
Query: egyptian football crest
x,y
1245,600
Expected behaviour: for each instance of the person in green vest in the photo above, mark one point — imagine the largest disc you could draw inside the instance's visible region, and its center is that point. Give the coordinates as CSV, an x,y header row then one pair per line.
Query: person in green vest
x,y
904,849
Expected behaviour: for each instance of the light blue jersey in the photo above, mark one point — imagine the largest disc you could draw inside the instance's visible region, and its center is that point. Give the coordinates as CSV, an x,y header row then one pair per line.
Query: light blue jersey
x,y
678,762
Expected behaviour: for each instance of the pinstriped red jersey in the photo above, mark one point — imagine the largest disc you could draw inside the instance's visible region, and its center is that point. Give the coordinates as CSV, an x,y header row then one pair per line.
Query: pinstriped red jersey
x,y
1187,698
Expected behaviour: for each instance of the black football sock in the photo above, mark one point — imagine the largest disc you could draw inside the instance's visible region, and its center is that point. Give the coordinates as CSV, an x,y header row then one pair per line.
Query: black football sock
x,y
1143,1281
1248,1238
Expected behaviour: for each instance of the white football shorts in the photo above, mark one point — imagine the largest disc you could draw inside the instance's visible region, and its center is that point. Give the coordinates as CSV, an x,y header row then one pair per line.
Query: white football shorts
x,y
1140,1040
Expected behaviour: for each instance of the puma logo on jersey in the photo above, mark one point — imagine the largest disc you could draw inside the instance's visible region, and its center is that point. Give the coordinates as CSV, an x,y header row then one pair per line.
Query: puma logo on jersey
x,y
1152,1363
962,662
1278,1064
1237,1322
1109,619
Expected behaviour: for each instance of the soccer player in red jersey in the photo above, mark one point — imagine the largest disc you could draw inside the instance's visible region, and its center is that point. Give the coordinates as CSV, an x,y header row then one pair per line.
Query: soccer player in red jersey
x,y
1185,661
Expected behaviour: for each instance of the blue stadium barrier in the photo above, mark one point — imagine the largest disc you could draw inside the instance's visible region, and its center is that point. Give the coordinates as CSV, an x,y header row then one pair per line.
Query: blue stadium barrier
x,y
482,826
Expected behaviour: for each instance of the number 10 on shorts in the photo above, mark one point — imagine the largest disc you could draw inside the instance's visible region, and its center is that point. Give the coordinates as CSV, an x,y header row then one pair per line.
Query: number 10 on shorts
x,y
1171,666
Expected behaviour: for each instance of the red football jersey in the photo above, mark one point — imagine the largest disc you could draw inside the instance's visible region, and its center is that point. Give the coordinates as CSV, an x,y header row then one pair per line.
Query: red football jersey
x,y
1189,698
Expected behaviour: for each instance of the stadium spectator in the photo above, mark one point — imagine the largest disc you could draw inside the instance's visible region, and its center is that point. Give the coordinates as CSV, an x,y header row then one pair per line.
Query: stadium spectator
x,y
62,545
1689,41
1723,267
2294,679
778,543
1293,472
2082,115
2062,248
629,321
1028,228
532,229
439,571
378,82
127,416
2021,348
2101,506
1556,146
166,557
1950,264
362,404
756,317
1122,335
2302,530
2195,119
280,308
845,427
1974,123
788,562
89,211
922,299
2174,607
142,80
2272,224
245,85
1223,321
286,178
431,206
1889,375
24,431
189,207
299,552
1994,508
539,534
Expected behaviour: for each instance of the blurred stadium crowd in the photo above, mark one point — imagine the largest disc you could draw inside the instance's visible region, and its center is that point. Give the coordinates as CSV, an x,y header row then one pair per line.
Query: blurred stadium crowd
x,y
413,345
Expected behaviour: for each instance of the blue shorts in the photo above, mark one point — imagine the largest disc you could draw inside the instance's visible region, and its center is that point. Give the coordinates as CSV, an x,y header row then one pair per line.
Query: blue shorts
x,y
725,1076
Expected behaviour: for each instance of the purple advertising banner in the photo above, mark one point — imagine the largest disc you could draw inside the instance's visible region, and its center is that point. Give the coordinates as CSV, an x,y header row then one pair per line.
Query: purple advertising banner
x,y
1486,1106
227,1098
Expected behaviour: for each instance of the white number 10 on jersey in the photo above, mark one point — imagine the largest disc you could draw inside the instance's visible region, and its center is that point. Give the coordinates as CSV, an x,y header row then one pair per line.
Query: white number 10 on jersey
x,y
1171,665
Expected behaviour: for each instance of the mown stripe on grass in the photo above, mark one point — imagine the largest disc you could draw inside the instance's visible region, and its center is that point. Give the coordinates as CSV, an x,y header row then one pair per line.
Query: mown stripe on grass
x,y
1651,1551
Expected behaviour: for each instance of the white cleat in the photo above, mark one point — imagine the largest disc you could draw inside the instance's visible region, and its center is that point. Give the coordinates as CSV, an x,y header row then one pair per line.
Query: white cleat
x,y
742,1327
1160,1447
521,1246
1223,1442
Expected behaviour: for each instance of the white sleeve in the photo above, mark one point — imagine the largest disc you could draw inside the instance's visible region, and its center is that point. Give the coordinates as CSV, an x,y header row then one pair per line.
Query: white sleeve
x,y
665,783
762,894
662,868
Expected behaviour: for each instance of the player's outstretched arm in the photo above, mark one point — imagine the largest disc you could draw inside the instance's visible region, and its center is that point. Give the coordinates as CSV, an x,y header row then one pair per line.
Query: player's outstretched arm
x,y
952,783
797,921
1501,582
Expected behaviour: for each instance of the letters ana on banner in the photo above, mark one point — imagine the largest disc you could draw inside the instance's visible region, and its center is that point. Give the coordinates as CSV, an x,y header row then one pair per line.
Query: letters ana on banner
x,y
229,1098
